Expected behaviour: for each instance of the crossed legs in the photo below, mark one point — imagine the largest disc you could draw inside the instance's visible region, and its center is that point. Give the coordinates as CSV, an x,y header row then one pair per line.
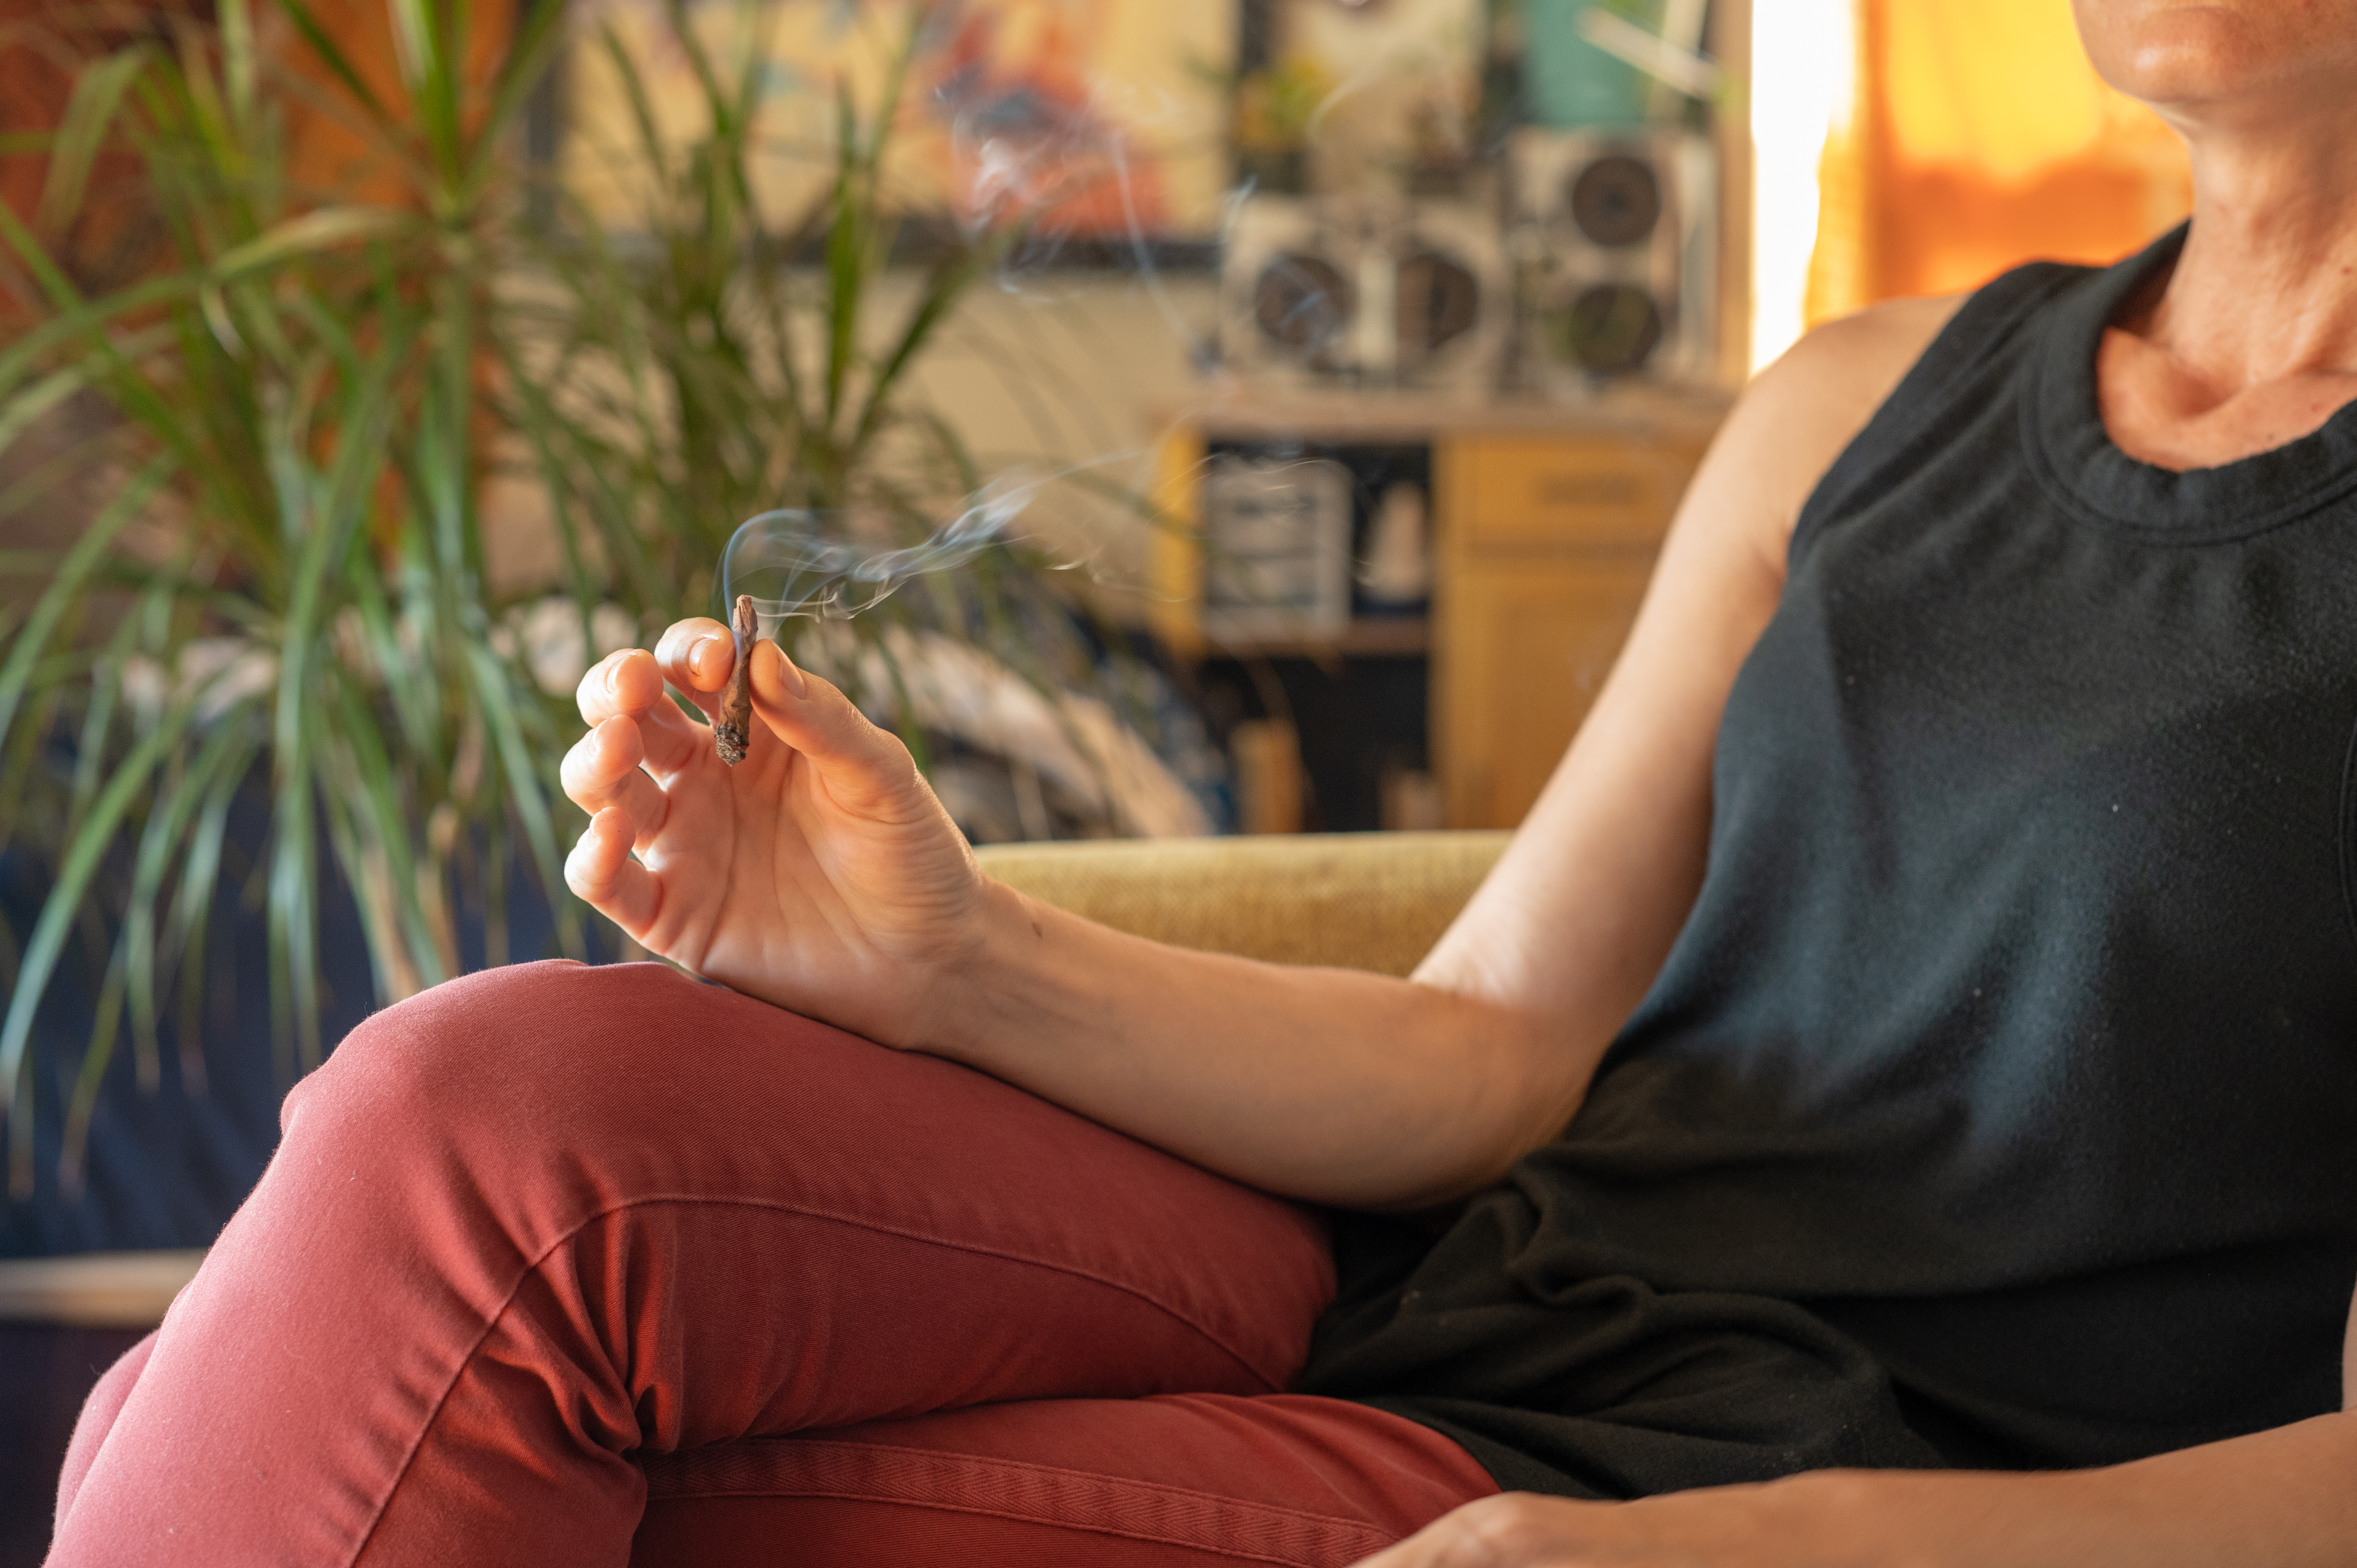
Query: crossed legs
x,y
541,1235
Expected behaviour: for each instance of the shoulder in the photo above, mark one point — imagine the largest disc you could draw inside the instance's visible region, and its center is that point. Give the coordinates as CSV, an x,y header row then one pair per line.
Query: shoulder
x,y
1796,415
1864,355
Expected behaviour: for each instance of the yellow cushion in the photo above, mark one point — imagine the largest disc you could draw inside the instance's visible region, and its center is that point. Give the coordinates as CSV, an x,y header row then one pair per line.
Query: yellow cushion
x,y
1374,901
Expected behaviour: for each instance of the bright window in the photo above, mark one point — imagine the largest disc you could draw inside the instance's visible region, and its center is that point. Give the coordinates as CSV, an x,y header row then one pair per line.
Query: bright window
x,y
1972,135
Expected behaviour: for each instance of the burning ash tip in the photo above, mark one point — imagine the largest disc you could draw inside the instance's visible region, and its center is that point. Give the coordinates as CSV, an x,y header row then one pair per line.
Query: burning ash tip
x,y
732,733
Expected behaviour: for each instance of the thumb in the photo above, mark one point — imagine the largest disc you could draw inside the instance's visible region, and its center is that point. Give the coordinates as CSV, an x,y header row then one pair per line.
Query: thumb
x,y
864,767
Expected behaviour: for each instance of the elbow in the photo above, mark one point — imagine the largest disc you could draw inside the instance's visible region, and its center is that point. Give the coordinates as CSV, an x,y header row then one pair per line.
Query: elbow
x,y
1469,1177
1540,1080
1525,1085
1535,1122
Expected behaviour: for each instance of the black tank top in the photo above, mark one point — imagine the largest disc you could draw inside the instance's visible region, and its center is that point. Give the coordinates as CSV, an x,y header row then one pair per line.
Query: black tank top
x,y
1997,1104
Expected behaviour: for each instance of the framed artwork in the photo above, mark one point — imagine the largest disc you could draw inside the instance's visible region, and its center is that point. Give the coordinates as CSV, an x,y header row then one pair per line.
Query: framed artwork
x,y
1106,118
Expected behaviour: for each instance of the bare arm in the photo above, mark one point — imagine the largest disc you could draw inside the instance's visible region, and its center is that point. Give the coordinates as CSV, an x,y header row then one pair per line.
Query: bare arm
x,y
1363,1090
824,876
1576,918
2285,1497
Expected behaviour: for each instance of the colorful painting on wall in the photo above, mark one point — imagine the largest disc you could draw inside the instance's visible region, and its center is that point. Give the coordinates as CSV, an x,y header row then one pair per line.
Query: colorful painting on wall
x,y
1104,118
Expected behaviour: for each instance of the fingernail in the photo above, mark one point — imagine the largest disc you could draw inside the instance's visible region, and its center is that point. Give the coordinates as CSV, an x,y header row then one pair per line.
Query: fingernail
x,y
792,676
699,656
613,674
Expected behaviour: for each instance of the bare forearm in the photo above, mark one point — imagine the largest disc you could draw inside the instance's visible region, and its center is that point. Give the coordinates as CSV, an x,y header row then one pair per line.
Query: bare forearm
x,y
1330,1085
2282,1498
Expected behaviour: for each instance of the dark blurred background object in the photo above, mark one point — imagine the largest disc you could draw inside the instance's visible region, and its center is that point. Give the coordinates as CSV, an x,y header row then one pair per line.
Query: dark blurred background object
x,y
46,1371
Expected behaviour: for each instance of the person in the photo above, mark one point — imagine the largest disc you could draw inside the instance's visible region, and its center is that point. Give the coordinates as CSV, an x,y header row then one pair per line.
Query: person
x,y
1893,1104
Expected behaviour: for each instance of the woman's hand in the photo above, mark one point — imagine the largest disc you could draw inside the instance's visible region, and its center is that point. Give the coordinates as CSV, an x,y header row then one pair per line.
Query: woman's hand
x,y
820,873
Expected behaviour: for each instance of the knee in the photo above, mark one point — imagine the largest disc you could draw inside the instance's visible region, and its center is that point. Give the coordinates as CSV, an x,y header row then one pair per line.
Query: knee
x,y
98,1413
529,1059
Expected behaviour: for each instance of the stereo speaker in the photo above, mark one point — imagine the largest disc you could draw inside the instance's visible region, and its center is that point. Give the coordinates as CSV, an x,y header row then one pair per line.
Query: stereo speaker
x,y
1316,289
1616,244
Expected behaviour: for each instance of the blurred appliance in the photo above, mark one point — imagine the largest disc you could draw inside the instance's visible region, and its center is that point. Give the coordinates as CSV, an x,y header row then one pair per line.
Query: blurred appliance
x,y
1277,549
1615,241
1396,574
1316,289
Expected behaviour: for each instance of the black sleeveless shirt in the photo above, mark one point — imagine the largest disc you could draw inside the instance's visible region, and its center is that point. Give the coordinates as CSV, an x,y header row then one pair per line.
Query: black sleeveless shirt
x,y
1997,1104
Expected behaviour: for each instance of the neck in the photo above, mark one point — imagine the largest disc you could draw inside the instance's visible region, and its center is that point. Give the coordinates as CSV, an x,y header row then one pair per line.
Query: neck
x,y
2266,287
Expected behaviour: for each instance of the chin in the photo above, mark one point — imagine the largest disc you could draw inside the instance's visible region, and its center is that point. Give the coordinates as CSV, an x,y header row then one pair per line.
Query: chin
x,y
2259,52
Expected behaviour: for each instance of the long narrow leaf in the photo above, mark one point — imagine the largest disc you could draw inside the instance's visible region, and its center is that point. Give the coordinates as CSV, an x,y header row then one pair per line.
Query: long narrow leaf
x,y
292,918
332,55
699,59
199,879
80,861
37,400
167,823
386,822
328,535
846,255
943,288
240,60
98,1054
89,116
328,228
76,318
433,62
524,790
538,39
651,146
135,396
98,718
88,551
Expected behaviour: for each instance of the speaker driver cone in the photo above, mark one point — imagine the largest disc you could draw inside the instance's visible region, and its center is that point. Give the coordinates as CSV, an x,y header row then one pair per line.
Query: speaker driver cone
x,y
1608,329
1302,303
1616,200
1439,301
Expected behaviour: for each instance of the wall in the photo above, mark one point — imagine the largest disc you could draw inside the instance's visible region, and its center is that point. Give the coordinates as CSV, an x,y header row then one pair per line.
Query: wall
x,y
1045,371
1077,368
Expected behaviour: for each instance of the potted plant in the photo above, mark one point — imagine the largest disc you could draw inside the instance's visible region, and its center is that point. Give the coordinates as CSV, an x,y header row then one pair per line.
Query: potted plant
x,y
287,574
287,579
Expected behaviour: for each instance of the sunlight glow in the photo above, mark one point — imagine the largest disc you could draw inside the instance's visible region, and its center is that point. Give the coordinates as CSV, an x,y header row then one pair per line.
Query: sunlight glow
x,y
1803,61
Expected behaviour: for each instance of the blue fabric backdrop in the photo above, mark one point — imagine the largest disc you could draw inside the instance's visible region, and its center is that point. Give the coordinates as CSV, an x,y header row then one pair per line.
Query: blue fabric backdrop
x,y
167,1168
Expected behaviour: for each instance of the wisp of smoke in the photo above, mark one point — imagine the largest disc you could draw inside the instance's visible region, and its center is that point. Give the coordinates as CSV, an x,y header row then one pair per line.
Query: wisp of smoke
x,y
792,564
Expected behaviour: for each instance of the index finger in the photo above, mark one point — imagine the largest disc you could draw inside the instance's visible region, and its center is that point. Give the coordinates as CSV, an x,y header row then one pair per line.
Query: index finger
x,y
627,684
695,656
625,681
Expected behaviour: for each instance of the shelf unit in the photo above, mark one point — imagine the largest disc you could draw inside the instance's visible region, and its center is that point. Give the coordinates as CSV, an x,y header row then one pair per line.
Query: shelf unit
x,y
1546,518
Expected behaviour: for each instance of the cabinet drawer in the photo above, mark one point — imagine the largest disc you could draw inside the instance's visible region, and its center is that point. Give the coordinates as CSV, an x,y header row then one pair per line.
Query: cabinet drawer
x,y
1526,648
1517,493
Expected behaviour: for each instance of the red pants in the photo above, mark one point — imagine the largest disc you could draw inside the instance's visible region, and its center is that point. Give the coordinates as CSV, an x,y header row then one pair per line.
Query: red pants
x,y
552,1261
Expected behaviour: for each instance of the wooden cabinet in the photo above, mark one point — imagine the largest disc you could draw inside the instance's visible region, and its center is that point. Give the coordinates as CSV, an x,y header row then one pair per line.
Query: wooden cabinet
x,y
1527,647
1508,494
1544,547
1546,521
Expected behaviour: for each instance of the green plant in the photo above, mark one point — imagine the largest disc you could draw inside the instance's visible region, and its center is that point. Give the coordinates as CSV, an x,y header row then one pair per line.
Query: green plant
x,y
288,576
